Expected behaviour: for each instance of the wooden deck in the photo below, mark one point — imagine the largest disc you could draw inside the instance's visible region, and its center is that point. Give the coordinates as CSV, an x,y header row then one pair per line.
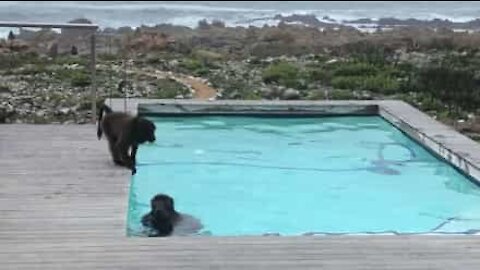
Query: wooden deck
x,y
63,206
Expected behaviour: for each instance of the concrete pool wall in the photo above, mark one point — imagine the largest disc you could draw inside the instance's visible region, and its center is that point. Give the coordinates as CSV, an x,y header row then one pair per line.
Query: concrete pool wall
x,y
457,149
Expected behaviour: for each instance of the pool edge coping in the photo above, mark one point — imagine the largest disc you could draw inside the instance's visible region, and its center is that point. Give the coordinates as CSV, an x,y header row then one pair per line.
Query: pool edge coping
x,y
455,148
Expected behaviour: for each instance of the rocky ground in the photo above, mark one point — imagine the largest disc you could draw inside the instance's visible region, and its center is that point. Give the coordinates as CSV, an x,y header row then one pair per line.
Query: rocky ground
x,y
43,81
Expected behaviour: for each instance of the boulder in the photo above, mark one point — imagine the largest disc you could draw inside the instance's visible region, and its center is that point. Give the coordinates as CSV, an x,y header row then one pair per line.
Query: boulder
x,y
291,94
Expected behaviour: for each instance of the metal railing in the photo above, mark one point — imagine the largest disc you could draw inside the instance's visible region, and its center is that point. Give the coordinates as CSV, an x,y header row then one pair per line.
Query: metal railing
x,y
92,27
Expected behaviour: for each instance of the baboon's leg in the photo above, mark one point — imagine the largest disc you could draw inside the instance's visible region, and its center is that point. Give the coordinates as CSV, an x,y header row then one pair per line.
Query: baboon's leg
x,y
127,160
134,158
134,153
123,155
115,153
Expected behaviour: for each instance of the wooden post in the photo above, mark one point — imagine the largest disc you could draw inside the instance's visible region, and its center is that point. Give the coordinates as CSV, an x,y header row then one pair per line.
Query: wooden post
x,y
125,85
94,77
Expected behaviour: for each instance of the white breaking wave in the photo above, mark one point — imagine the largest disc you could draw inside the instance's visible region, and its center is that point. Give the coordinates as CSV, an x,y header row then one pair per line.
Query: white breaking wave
x,y
238,13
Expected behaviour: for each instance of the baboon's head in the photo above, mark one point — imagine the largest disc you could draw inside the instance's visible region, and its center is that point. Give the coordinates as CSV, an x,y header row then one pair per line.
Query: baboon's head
x,y
162,206
163,214
144,130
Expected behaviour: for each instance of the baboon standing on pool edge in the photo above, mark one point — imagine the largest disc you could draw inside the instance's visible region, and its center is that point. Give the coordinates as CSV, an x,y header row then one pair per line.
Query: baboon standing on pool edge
x,y
124,132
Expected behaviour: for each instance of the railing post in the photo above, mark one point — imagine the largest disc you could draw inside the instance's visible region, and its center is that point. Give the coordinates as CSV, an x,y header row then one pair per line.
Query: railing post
x,y
94,77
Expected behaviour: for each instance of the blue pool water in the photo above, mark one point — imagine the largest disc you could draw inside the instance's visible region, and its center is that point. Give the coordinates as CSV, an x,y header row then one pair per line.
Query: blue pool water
x,y
295,176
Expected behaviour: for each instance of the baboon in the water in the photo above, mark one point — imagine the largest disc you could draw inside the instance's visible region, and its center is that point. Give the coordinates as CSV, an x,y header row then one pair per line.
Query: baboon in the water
x,y
124,132
165,221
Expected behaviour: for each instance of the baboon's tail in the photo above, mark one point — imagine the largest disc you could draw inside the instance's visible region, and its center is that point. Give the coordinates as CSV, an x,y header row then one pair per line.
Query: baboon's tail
x,y
103,109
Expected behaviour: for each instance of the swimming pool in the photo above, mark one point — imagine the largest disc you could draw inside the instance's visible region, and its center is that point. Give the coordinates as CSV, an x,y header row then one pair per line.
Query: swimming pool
x,y
295,176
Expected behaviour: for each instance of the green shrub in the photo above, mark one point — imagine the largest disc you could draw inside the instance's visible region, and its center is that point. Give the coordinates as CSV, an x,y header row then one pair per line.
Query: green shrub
x,y
321,58
429,104
282,73
9,61
319,75
153,60
381,84
80,79
70,60
191,64
347,82
338,94
29,69
407,97
206,56
456,87
168,88
378,84
244,94
108,57
239,89
201,72
194,67
355,69
316,95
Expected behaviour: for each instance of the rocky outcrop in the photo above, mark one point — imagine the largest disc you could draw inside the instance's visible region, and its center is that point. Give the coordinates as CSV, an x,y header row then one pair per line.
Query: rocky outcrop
x,y
435,23
308,19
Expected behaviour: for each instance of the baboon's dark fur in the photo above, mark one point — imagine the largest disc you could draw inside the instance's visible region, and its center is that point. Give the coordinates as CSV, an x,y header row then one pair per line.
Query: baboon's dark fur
x,y
124,132
162,216
163,220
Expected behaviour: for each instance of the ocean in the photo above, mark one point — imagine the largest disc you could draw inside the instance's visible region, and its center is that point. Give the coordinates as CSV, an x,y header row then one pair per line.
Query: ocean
x,y
233,13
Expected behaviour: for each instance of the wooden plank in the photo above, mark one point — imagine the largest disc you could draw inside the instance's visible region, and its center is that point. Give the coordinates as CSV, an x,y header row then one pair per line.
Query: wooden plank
x,y
63,206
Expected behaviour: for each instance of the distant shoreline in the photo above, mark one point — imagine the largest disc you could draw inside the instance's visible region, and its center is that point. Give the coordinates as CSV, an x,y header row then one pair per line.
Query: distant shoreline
x,y
363,24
